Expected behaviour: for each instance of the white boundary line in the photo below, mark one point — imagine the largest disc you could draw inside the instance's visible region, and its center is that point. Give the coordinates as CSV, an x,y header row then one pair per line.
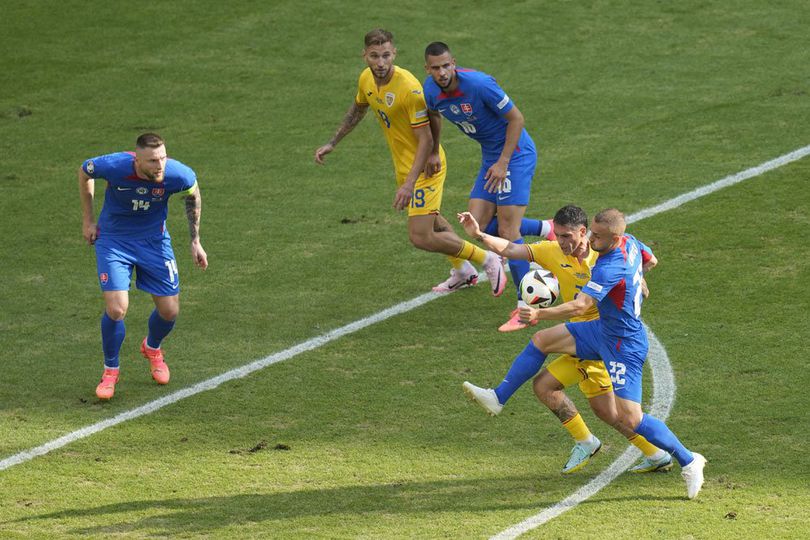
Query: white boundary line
x,y
319,341
663,379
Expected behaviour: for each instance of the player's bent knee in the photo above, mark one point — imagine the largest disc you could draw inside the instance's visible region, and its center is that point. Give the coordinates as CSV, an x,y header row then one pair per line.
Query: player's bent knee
x,y
116,312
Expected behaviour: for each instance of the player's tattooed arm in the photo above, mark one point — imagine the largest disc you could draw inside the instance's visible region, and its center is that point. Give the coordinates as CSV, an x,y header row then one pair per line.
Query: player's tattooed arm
x,y
353,116
193,211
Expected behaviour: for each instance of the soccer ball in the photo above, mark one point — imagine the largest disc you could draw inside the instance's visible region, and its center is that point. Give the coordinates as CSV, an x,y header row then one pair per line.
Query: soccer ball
x,y
539,288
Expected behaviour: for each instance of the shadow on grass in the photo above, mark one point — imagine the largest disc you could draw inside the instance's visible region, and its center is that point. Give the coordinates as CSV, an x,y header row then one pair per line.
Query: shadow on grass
x,y
189,515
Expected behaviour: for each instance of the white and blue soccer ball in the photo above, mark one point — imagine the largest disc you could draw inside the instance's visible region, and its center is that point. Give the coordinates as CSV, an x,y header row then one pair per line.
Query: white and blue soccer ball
x,y
539,288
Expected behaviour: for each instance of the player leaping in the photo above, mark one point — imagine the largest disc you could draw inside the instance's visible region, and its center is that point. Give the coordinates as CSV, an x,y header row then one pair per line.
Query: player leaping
x,y
395,96
474,102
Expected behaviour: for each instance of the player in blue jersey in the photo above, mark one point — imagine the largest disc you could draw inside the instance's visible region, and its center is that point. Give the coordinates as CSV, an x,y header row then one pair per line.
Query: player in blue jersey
x,y
617,337
131,235
474,102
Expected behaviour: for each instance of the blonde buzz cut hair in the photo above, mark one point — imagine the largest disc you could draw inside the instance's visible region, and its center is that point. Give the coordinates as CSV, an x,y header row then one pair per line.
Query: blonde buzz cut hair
x,y
613,219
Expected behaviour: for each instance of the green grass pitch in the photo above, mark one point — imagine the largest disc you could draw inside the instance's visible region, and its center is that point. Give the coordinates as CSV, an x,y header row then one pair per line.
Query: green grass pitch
x,y
369,436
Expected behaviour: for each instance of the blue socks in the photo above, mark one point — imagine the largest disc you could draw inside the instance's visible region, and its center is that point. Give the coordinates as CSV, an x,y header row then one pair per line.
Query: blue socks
x,y
112,336
528,227
159,328
518,268
524,367
657,432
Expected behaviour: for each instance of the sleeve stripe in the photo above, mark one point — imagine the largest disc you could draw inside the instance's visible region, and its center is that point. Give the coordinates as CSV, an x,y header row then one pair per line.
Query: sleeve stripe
x,y
420,124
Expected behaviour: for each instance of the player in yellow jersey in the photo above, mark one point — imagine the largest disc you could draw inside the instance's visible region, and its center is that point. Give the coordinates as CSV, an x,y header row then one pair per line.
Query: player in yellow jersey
x,y
570,259
396,99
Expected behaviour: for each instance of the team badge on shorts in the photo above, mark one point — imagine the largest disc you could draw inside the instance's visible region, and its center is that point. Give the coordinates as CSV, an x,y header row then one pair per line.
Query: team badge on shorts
x,y
389,98
91,168
104,278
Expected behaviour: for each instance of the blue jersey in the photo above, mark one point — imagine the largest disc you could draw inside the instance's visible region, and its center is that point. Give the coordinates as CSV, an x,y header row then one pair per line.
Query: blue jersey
x,y
478,107
616,286
133,207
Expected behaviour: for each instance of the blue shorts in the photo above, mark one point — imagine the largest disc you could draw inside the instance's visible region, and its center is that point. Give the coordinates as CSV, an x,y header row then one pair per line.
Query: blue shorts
x,y
624,358
516,188
152,259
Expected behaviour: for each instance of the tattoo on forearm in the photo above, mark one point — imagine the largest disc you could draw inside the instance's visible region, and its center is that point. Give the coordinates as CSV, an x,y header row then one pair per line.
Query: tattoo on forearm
x,y
193,210
352,118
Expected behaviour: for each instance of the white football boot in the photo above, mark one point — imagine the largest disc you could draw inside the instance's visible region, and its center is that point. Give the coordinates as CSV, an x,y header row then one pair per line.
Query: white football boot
x,y
485,397
693,474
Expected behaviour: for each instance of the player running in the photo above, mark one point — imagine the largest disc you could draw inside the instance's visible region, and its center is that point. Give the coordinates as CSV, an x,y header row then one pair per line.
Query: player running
x,y
570,259
395,97
474,102
131,234
617,337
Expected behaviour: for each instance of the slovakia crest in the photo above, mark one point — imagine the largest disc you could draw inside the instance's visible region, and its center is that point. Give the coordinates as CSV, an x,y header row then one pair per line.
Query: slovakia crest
x,y
158,192
454,109
389,98
104,277
467,108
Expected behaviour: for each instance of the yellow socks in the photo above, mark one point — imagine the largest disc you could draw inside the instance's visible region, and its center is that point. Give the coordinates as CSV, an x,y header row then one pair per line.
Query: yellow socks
x,y
471,252
577,428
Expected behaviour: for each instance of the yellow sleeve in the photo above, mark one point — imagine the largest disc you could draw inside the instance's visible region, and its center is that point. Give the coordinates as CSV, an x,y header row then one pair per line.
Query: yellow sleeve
x,y
541,253
417,109
360,97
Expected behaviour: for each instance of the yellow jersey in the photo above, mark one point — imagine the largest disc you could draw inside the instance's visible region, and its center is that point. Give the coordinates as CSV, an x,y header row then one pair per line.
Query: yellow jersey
x,y
567,269
399,107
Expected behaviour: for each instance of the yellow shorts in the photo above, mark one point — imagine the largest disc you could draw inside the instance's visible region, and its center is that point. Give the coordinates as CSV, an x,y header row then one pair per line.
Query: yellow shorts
x,y
592,376
427,194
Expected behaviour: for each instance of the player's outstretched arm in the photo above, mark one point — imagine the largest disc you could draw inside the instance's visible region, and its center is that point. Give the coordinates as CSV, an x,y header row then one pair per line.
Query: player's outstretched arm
x,y
87,188
501,246
353,116
193,212
576,307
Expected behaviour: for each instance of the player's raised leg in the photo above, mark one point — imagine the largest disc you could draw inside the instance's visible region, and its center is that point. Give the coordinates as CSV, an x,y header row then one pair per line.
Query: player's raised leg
x,y
113,332
426,233
524,367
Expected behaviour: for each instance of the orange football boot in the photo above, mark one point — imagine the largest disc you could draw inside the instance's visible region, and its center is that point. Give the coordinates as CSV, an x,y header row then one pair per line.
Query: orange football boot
x,y
159,369
106,388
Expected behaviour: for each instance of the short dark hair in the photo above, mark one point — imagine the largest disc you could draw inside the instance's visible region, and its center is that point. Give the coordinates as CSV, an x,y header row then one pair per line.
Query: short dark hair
x,y
437,48
378,36
571,216
149,140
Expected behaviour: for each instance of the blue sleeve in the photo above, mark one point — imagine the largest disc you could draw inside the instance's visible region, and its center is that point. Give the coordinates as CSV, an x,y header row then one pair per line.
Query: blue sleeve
x,y
98,167
494,97
430,99
602,281
185,174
